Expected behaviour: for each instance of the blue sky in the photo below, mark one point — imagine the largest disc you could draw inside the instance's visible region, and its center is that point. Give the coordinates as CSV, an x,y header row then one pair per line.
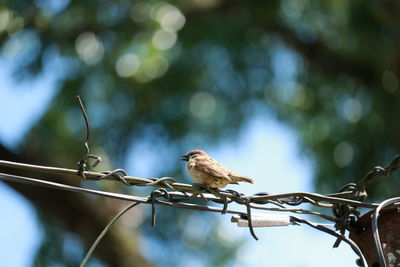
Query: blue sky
x,y
266,150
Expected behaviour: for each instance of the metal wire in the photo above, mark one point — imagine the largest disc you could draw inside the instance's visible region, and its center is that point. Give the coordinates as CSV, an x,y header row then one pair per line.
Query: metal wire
x,y
322,228
82,163
168,192
169,183
378,172
146,200
375,231
103,233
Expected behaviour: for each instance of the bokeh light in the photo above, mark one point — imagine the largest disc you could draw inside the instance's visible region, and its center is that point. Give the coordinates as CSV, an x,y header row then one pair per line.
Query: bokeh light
x,y
202,105
89,48
127,65
343,154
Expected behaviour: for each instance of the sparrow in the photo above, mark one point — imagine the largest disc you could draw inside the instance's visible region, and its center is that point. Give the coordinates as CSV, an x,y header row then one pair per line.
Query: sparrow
x,y
207,171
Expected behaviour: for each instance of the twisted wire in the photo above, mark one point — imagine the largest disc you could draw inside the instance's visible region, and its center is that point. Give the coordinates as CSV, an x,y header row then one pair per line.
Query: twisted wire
x,y
169,192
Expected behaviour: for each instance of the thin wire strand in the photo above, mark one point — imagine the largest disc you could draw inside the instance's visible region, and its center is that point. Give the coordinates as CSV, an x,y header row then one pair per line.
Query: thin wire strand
x,y
82,163
104,232
85,116
322,228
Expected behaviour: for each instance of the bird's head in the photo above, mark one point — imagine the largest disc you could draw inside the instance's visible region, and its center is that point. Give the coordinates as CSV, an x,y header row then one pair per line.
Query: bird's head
x,y
192,154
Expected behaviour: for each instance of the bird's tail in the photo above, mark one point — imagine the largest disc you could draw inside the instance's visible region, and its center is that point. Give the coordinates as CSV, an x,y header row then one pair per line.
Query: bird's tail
x,y
240,178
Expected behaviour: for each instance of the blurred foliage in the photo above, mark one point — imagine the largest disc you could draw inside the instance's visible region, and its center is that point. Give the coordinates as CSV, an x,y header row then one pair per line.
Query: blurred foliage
x,y
159,78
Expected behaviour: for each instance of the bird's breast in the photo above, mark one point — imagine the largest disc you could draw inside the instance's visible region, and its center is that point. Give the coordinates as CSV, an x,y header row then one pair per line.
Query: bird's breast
x,y
197,175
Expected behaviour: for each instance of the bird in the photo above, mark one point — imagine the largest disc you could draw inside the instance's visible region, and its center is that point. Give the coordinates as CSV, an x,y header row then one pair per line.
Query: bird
x,y
207,171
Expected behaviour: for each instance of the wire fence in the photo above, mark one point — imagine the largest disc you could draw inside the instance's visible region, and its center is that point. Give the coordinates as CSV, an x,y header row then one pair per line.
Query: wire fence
x,y
341,209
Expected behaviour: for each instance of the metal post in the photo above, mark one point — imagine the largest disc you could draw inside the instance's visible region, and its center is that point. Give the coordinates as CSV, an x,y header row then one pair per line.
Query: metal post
x,y
389,232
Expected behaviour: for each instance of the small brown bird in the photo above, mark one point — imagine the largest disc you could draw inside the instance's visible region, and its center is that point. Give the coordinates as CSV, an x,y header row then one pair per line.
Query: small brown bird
x,y
207,171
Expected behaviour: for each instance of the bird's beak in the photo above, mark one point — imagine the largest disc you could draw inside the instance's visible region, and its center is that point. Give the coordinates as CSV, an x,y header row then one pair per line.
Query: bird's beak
x,y
185,157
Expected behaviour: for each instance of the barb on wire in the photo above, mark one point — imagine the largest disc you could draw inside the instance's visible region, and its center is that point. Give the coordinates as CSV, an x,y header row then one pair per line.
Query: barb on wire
x,y
82,163
376,173
161,192
346,219
225,203
116,174
250,220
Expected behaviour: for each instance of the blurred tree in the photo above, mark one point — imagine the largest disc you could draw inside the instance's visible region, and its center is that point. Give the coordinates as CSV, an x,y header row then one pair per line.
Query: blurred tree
x,y
167,76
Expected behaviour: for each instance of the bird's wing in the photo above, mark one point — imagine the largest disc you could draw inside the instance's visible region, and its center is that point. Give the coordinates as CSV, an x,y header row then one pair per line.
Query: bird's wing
x,y
211,167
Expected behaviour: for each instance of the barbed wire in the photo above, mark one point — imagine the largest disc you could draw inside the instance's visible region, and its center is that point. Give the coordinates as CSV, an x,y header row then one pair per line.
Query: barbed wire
x,y
218,196
292,199
175,199
376,173
344,206
168,192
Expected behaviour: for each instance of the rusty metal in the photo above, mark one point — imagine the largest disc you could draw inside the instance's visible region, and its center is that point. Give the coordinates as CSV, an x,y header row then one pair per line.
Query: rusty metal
x,y
388,224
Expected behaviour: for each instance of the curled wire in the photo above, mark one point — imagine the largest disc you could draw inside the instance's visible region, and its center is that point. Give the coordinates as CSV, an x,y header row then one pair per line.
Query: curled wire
x,y
82,163
375,231
116,174
253,234
153,199
246,201
377,172
162,181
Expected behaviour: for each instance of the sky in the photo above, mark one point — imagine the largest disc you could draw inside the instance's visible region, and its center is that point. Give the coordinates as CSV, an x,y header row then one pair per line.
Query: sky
x,y
274,160
266,150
